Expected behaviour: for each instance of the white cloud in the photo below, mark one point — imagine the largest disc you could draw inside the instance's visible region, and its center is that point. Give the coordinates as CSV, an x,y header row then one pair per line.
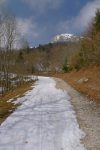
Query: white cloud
x,y
42,5
27,30
82,20
27,27
86,14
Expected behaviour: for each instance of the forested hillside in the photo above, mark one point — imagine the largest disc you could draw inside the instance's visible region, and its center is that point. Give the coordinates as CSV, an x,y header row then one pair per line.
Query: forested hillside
x,y
85,75
45,59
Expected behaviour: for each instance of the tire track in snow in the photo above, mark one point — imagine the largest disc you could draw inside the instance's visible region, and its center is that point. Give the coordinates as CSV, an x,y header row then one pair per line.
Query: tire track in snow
x,y
44,121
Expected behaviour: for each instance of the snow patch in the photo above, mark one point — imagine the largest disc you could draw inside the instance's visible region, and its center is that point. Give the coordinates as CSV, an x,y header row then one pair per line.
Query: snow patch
x,y
45,120
66,37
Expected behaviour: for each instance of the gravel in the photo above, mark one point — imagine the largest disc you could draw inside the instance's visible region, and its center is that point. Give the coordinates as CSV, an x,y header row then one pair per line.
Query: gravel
x,y
88,115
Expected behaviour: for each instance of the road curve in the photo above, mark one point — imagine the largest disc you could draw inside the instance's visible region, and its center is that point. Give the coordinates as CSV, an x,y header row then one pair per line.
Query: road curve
x,y
45,120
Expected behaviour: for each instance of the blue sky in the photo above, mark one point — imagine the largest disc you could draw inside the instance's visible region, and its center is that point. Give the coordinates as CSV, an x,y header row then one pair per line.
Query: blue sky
x,y
40,20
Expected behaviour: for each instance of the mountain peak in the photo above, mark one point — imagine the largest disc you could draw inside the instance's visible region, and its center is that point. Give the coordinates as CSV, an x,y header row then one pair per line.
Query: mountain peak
x,y
65,37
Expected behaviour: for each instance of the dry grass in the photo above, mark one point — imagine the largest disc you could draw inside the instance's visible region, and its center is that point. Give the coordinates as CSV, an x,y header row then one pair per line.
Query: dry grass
x,y
90,88
7,108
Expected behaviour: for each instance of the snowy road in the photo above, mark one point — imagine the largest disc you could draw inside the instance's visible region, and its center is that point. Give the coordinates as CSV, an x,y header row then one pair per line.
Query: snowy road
x,y
45,120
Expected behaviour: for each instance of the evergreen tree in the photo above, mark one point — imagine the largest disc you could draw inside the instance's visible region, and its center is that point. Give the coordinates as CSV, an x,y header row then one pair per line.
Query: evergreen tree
x,y
65,66
20,57
97,21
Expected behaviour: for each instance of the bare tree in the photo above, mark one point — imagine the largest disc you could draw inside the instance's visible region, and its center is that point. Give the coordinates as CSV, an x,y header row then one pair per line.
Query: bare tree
x,y
7,39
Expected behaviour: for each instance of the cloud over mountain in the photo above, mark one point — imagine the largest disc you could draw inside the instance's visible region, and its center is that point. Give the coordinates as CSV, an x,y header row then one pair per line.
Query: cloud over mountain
x,y
80,22
41,20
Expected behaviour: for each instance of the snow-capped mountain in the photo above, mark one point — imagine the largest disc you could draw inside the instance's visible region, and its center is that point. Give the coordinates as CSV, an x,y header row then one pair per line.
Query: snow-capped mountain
x,y
65,38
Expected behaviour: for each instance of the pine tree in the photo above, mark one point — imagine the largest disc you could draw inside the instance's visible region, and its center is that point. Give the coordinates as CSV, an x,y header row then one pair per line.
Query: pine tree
x,y
97,21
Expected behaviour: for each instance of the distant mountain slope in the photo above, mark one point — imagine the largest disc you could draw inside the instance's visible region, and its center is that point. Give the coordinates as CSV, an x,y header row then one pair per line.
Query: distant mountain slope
x,y
66,38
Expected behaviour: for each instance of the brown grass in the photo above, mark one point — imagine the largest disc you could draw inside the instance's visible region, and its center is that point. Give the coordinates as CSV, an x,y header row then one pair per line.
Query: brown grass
x,y
90,88
7,108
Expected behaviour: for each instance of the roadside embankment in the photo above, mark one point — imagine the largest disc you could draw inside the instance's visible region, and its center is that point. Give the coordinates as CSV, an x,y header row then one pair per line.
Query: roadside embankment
x,y
86,81
6,108
88,115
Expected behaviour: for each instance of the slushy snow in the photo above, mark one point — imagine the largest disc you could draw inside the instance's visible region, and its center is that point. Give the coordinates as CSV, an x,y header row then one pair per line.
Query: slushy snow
x,y
45,120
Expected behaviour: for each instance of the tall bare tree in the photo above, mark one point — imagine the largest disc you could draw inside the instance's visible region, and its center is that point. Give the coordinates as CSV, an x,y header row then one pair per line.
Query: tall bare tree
x,y
7,39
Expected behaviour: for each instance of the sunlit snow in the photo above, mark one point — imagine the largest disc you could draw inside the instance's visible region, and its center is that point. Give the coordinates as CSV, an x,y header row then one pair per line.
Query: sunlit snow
x,y
45,120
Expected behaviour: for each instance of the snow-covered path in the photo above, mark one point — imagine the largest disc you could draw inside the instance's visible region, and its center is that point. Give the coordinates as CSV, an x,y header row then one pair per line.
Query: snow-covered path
x,y
45,120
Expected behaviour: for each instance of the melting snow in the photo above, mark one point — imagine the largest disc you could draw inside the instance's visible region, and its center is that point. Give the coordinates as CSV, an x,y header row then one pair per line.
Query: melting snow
x,y
44,121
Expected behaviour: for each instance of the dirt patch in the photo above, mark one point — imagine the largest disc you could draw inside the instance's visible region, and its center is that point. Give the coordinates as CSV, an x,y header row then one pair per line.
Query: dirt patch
x,y
88,115
6,108
91,88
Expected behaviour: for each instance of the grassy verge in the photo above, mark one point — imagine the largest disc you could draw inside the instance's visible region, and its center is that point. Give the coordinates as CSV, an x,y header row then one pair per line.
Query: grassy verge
x,y
91,88
6,108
